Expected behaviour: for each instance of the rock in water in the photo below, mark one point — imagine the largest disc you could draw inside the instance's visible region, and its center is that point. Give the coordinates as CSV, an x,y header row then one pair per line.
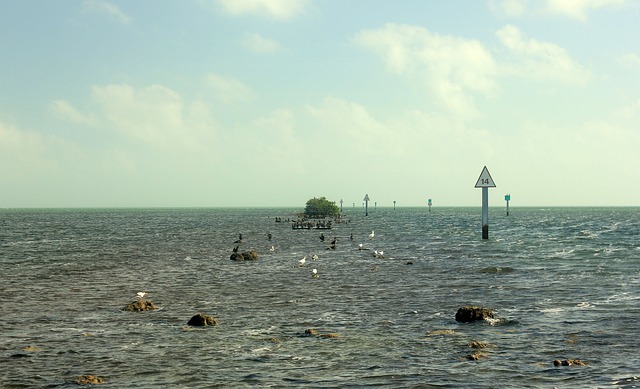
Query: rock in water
x,y
200,320
245,256
90,379
140,305
472,313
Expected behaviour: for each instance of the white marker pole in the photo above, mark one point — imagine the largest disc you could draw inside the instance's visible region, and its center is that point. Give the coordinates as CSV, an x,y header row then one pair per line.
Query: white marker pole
x,y
485,182
366,204
507,198
485,213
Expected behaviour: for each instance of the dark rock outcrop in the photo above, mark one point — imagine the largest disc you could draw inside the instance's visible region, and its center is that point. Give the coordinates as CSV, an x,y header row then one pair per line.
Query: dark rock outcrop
x,y
472,313
569,362
140,305
89,379
476,356
476,344
245,256
314,332
200,320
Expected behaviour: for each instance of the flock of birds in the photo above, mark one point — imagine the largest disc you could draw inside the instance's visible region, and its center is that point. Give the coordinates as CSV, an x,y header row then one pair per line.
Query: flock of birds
x,y
314,257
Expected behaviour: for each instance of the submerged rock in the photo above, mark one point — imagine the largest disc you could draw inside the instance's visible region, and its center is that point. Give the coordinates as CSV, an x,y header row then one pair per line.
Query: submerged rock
x,y
569,362
472,313
140,305
200,320
476,344
314,332
90,379
245,256
476,356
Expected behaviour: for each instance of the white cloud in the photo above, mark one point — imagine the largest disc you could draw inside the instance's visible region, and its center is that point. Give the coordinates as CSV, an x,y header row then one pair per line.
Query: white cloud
x,y
260,44
20,151
578,9
277,9
155,115
228,89
575,9
509,8
108,8
66,111
540,60
630,60
451,68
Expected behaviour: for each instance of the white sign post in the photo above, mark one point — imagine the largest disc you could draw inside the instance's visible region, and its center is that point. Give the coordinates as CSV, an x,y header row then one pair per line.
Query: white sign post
x,y
485,182
366,204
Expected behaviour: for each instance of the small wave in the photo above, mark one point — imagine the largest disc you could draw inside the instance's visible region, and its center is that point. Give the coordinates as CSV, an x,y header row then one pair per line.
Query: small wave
x,y
563,253
498,270
259,331
627,381
585,305
551,310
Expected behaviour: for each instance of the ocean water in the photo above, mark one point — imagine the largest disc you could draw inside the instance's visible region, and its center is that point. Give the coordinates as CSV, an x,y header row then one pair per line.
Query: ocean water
x,y
564,283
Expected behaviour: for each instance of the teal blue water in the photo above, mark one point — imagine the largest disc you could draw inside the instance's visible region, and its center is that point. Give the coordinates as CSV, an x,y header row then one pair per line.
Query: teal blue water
x,y
564,283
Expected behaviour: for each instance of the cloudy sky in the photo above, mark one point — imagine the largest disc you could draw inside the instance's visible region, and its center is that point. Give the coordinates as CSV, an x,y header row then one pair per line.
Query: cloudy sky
x,y
261,103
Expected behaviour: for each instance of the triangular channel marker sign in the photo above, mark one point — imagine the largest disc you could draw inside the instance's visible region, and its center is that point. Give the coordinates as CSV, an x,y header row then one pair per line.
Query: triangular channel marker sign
x,y
485,180
366,197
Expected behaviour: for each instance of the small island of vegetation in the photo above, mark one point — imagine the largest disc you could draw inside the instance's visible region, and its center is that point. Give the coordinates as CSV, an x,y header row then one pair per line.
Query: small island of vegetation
x,y
321,208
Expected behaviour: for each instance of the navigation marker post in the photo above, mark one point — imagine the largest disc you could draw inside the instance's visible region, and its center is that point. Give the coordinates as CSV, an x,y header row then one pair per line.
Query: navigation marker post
x,y
340,205
366,204
394,204
429,203
485,182
507,197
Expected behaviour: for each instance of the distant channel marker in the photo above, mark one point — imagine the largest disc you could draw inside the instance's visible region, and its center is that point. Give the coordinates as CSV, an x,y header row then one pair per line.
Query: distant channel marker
x,y
485,182
366,204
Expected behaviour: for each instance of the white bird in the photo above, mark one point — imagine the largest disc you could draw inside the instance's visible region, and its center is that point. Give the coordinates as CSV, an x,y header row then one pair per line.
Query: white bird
x,y
141,294
360,246
372,234
314,257
303,260
314,271
273,248
378,254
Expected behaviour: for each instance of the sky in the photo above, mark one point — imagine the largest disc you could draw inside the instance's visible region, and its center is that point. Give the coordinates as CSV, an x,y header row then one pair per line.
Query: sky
x,y
268,103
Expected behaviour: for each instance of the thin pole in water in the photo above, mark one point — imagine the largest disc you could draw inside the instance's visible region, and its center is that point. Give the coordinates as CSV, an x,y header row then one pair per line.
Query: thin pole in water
x,y
507,198
485,182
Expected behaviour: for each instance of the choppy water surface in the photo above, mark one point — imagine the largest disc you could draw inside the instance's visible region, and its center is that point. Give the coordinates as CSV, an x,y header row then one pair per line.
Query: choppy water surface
x,y
565,283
